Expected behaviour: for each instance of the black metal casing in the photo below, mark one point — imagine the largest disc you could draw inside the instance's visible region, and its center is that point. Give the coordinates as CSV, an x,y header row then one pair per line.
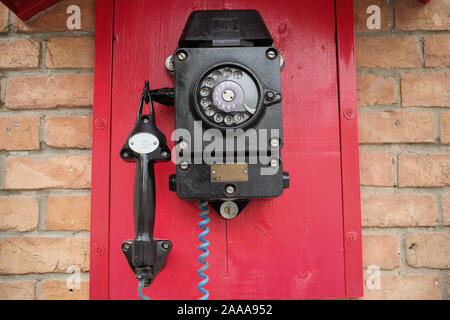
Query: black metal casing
x,y
236,38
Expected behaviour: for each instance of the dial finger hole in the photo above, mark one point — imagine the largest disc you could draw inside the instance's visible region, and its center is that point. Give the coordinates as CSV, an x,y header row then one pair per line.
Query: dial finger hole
x,y
228,120
209,82
218,117
204,91
205,102
209,111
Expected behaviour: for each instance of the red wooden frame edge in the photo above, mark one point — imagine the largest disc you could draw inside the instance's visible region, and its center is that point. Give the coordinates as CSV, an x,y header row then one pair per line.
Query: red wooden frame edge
x,y
351,202
100,193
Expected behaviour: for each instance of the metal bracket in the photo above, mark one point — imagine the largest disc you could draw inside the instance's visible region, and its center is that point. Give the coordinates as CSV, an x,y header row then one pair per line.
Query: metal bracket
x,y
162,249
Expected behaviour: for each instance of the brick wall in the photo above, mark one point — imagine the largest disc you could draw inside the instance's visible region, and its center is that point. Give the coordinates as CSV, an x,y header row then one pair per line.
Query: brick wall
x,y
404,117
46,89
404,126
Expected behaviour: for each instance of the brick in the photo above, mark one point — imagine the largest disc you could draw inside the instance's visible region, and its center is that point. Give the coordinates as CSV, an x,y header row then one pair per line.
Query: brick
x,y
3,18
373,89
404,287
68,212
428,250
19,213
70,53
69,131
59,290
382,250
425,89
396,127
55,18
69,171
22,53
423,170
17,290
398,210
448,284
22,255
51,91
437,51
445,127
414,15
19,133
360,14
376,168
387,52
445,202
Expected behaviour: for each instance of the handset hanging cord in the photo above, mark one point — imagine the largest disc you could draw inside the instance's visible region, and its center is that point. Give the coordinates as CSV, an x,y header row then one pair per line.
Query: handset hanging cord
x,y
147,97
140,287
203,247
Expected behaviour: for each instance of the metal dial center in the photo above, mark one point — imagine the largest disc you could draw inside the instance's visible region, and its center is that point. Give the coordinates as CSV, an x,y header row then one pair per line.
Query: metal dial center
x,y
228,95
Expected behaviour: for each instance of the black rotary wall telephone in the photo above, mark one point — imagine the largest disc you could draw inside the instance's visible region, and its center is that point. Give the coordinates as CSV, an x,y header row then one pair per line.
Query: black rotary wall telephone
x,y
227,78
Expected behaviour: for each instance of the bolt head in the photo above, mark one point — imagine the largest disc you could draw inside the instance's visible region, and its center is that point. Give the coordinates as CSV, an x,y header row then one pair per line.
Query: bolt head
x,y
274,142
274,163
169,63
181,55
230,189
183,145
271,54
100,123
349,113
184,165
270,95
165,245
164,154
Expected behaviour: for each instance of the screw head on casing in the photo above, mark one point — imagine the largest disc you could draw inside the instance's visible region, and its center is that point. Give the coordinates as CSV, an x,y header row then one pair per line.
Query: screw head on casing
x,y
270,95
165,245
274,142
181,55
271,54
230,189
184,165
183,145
274,163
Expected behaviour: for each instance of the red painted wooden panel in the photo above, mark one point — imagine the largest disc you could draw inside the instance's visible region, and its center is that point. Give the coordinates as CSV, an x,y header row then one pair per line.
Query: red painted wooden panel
x,y
99,254
25,9
349,149
288,247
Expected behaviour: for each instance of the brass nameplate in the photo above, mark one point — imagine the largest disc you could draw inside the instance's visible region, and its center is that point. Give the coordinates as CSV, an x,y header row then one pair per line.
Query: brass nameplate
x,y
229,172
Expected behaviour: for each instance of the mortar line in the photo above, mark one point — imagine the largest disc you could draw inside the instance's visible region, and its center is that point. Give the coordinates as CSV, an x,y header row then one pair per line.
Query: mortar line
x,y
437,125
42,211
444,287
44,234
420,40
399,33
87,111
42,276
391,16
42,55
